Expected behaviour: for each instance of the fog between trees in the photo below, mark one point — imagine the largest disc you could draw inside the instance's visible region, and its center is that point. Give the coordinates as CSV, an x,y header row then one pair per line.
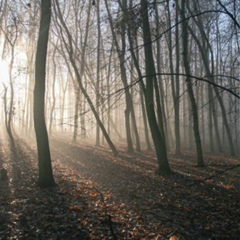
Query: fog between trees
x,y
160,75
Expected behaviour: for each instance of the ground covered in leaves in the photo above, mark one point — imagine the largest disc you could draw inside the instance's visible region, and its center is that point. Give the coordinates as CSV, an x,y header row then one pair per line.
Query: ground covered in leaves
x,y
104,197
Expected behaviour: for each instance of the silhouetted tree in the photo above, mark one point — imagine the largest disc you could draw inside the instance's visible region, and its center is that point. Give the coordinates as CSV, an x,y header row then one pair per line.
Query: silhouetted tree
x,y
44,159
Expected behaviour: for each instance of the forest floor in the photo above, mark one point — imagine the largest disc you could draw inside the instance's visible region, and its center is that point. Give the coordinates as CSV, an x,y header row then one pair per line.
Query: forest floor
x,y
104,197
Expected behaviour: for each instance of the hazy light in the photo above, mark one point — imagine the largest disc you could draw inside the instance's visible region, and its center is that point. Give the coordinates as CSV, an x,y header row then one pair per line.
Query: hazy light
x,y
4,73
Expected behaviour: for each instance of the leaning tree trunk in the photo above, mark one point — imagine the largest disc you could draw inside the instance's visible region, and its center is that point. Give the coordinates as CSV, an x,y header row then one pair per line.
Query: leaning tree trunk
x,y
80,83
44,159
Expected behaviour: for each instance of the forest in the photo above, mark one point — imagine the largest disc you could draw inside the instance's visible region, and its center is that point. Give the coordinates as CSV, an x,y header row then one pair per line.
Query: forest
x,y
119,119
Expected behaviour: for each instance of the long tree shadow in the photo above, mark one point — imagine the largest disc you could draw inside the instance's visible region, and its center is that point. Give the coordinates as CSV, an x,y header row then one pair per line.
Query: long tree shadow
x,y
181,201
28,212
139,202
5,192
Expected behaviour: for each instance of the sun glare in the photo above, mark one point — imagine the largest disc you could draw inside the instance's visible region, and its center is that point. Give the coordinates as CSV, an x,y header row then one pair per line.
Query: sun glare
x,y
4,74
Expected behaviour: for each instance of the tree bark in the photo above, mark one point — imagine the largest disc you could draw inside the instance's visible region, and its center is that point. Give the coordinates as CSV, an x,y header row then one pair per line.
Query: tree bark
x,y
45,178
157,134
177,93
200,161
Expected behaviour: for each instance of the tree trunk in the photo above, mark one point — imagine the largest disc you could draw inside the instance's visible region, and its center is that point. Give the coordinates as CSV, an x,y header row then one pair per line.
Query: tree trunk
x,y
98,71
52,107
160,82
44,159
157,134
80,83
177,93
135,57
200,161
211,78
129,111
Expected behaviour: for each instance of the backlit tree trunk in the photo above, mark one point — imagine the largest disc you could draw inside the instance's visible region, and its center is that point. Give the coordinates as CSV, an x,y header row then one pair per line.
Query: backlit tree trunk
x,y
200,161
44,159
157,134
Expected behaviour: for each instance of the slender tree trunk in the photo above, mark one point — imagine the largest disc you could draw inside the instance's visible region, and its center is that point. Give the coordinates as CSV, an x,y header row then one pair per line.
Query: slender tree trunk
x,y
53,96
177,93
30,65
44,159
219,98
80,83
76,112
63,100
11,40
173,82
135,57
6,113
200,161
160,82
157,135
210,118
129,111
98,71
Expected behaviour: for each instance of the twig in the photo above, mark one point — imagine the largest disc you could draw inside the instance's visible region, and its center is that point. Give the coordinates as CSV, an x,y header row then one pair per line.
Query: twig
x,y
108,217
215,175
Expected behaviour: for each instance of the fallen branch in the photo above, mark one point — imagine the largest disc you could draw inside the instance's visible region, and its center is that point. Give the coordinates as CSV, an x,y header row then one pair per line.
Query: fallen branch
x,y
215,175
108,217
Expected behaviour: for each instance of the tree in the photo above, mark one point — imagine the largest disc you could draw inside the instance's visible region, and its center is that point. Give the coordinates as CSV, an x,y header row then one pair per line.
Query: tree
x,y
129,111
177,87
200,161
11,35
156,130
205,46
45,178
70,51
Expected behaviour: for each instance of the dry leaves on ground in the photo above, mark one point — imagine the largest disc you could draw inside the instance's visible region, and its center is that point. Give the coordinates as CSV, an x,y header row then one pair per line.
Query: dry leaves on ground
x,y
103,197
